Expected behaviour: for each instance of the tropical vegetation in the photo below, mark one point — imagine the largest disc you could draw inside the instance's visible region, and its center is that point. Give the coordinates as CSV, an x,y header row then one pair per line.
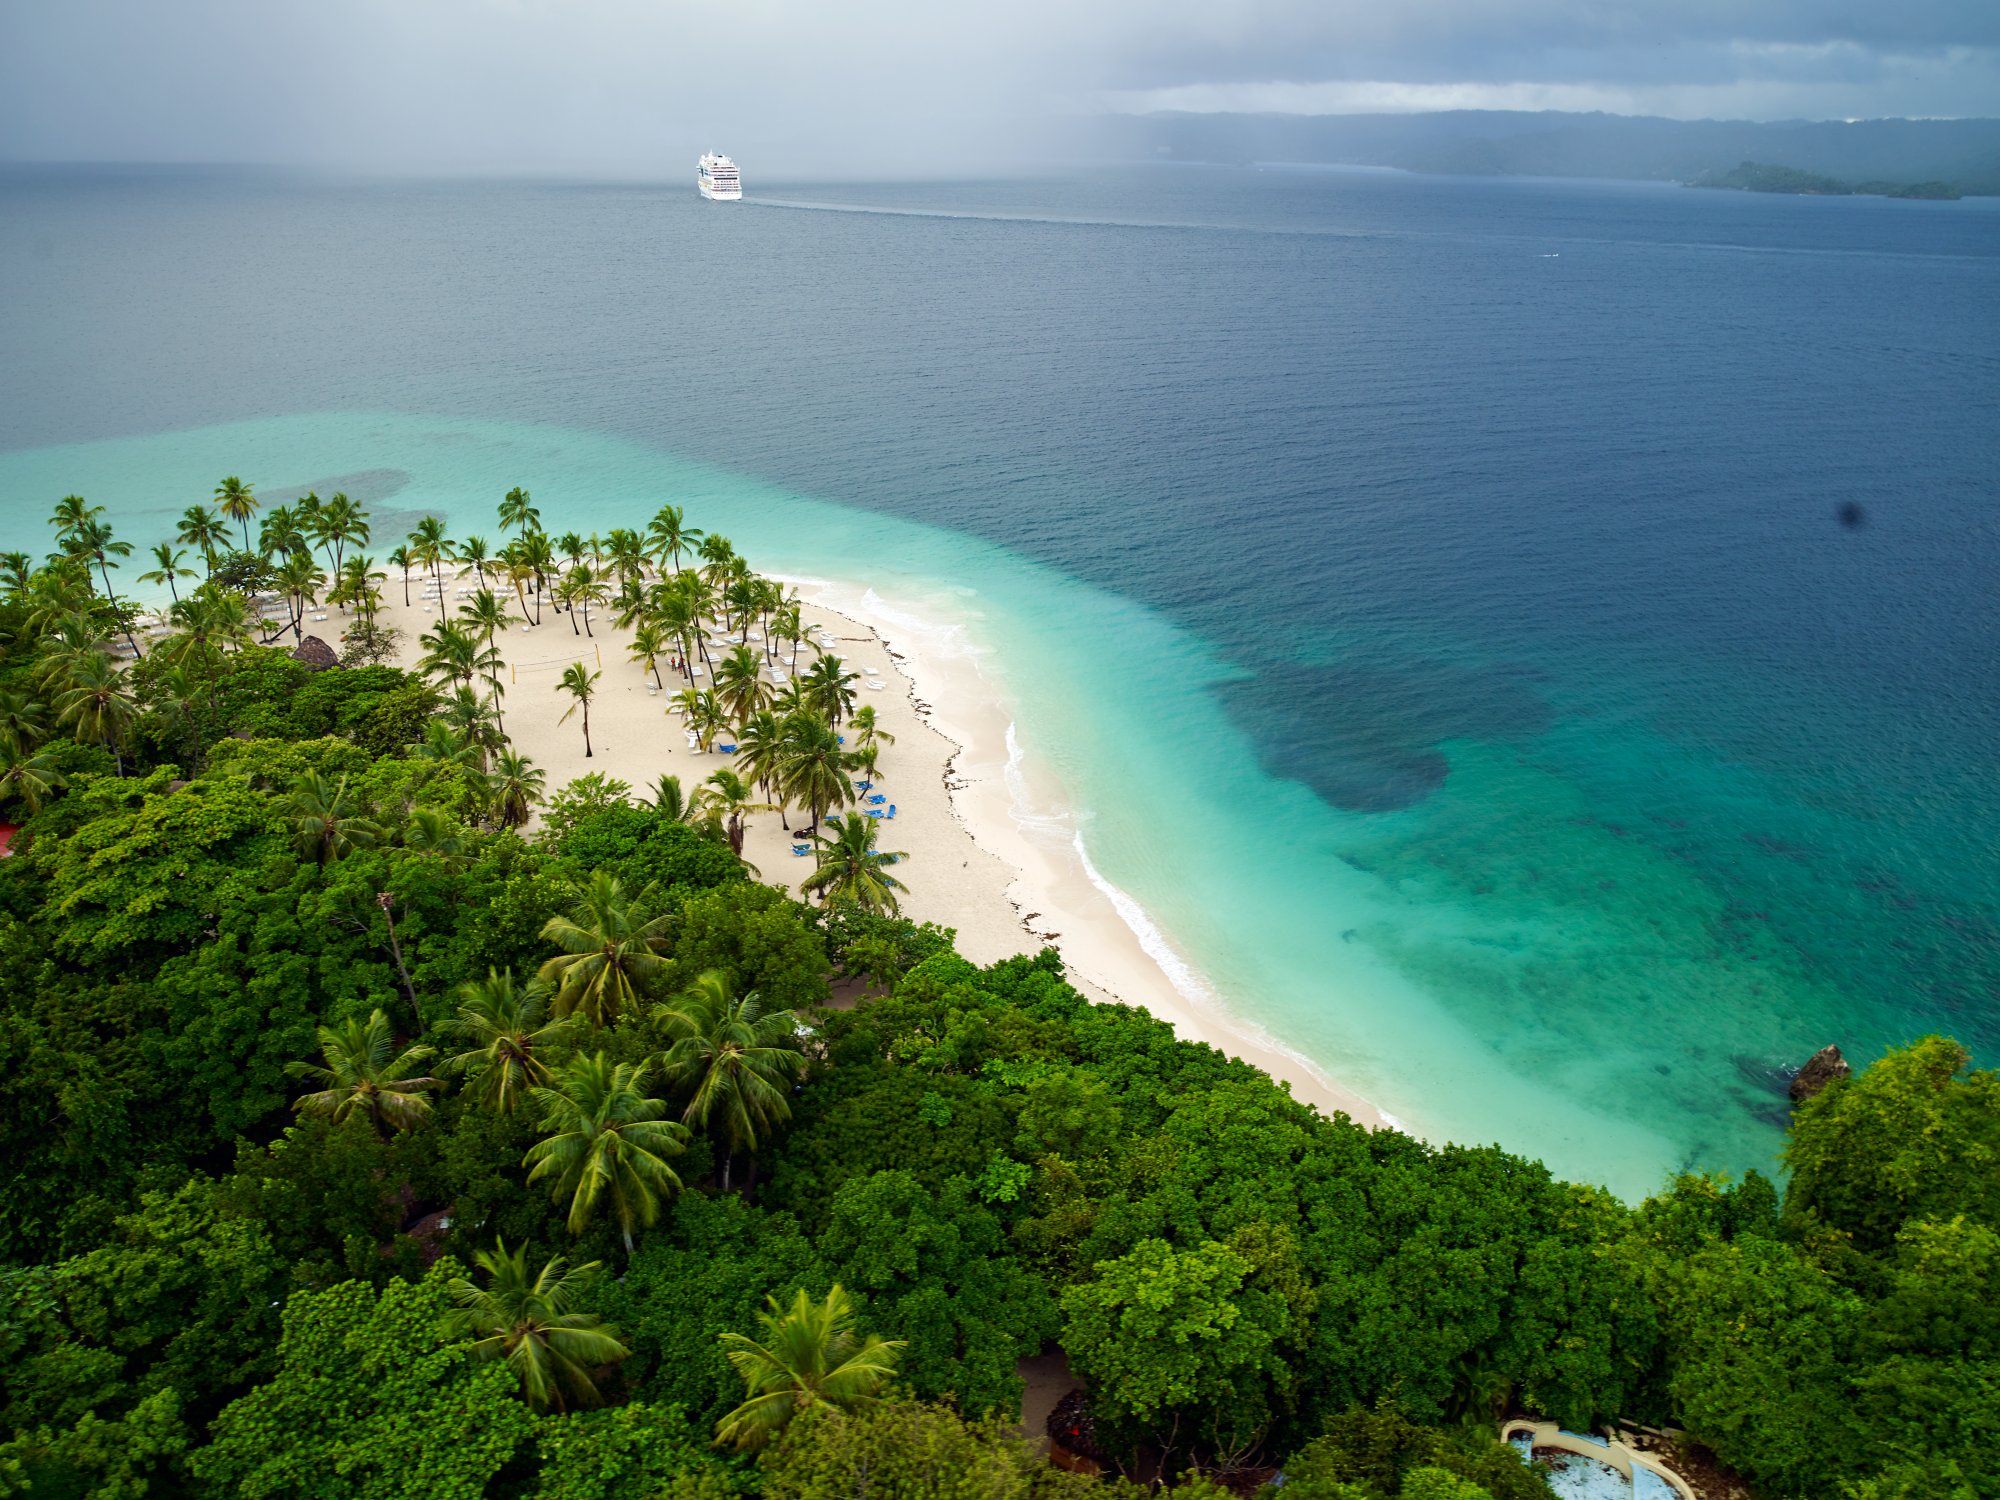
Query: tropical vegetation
x,y
380,1120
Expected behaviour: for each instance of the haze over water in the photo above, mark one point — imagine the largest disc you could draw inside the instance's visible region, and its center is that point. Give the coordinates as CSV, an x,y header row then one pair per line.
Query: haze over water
x,y
1562,764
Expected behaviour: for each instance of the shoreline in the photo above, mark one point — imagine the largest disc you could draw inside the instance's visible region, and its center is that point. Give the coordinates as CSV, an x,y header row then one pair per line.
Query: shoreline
x,y
1012,868
1016,809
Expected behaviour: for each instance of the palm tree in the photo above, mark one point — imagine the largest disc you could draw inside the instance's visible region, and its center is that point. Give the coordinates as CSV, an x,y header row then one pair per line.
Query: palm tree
x,y
739,683
72,514
28,774
201,530
510,1034
429,547
812,769
609,1142
584,587
450,653
23,718
812,1356
669,535
484,611
529,1322
477,554
830,688
703,714
516,784
328,823
851,870
739,1058
649,644
206,623
16,569
866,730
538,553
344,524
96,704
300,577
518,514
474,720
581,685
234,499
442,745
430,830
169,568
365,1075
760,743
730,796
94,540
283,532
401,559
608,945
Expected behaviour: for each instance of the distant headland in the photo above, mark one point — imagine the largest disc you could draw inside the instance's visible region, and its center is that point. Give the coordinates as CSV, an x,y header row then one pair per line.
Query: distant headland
x,y
1899,158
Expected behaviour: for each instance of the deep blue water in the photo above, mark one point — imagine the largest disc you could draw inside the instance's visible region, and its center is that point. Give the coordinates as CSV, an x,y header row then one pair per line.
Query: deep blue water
x,y
1516,506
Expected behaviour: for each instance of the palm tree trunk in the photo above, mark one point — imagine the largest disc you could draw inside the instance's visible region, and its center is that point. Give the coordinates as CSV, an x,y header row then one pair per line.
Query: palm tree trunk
x,y
385,900
586,729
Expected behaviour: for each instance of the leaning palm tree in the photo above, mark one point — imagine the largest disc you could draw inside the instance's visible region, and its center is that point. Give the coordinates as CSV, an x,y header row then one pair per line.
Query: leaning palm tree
x,y
812,1356
529,1322
739,1058
327,822
235,500
581,685
851,870
516,786
517,512
511,1038
366,1076
609,1144
608,945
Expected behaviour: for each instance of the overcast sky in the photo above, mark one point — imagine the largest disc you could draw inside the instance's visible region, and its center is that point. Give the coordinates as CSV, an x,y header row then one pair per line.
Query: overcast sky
x,y
637,86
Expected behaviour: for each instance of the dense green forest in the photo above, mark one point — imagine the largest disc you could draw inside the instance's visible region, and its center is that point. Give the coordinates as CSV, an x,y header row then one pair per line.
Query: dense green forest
x,y
1762,177
359,1145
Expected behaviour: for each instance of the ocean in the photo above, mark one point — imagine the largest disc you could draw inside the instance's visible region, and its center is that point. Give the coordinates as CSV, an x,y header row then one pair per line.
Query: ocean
x,y
1529,645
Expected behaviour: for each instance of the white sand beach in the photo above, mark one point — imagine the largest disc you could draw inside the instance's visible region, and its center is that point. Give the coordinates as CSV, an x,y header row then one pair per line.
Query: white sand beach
x,y
989,834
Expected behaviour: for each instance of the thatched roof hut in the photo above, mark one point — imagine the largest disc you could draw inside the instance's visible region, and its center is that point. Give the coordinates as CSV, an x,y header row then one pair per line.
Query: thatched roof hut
x,y
316,654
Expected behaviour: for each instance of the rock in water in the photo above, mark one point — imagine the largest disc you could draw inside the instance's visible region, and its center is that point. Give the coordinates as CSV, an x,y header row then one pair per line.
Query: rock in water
x,y
1821,1069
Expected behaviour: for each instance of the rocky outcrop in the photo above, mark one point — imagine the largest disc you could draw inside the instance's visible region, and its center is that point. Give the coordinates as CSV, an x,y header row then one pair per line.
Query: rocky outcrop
x,y
1821,1069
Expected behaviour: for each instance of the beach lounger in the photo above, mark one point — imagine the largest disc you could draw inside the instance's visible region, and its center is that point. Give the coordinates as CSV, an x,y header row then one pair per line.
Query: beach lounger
x,y
878,798
801,849
891,812
727,749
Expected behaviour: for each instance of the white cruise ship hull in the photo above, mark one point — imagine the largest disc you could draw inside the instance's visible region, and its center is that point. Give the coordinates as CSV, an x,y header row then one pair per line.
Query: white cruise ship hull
x,y
718,178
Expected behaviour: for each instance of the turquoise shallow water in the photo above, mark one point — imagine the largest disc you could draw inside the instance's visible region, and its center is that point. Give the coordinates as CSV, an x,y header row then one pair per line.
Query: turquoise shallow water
x,y
1561,767
1331,933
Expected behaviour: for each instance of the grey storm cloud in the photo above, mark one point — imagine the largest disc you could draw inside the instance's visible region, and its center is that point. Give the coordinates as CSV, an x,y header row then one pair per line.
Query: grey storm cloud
x,y
628,85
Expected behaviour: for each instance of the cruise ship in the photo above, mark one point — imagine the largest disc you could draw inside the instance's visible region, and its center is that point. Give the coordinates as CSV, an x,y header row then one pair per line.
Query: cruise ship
x,y
717,178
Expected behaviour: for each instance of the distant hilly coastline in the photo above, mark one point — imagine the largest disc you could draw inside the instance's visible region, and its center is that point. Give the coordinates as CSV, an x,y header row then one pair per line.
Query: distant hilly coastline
x,y
1762,177
1913,158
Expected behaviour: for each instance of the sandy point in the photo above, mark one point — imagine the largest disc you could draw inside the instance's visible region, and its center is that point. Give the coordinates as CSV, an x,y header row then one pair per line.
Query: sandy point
x,y
989,834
